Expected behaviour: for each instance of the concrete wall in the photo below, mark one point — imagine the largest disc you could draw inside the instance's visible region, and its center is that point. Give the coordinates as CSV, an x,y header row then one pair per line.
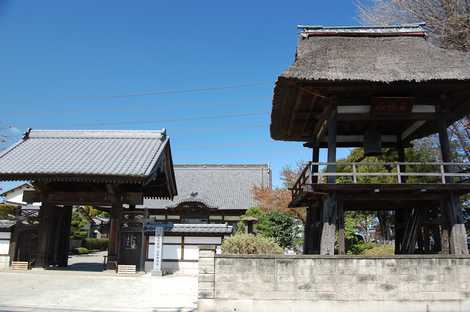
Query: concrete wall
x,y
182,267
4,263
339,283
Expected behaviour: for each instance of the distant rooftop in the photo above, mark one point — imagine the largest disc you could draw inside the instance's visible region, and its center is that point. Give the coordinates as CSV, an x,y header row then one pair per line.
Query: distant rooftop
x,y
226,186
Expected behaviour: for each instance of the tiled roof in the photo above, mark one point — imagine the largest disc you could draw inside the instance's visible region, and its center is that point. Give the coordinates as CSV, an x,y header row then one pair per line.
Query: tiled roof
x,y
6,224
81,155
227,187
200,228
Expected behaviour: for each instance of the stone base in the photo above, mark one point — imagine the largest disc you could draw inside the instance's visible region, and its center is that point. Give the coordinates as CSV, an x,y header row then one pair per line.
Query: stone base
x,y
156,273
230,305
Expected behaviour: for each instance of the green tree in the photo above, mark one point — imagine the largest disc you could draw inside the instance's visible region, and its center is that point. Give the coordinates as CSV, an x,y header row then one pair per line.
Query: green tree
x,y
6,211
281,226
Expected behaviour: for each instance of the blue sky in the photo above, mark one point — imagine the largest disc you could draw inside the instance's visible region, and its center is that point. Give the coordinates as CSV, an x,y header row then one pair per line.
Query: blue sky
x,y
64,61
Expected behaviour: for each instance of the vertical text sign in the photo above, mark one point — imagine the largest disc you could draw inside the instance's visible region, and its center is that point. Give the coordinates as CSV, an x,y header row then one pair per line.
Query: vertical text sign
x,y
157,251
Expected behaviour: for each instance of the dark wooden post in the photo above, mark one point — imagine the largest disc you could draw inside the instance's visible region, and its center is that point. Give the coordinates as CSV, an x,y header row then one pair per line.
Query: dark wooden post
x,y
457,237
341,233
332,146
42,257
114,231
400,214
309,231
64,246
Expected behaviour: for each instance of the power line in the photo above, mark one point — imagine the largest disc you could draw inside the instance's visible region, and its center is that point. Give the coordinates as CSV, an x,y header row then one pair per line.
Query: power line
x,y
166,92
186,119
126,108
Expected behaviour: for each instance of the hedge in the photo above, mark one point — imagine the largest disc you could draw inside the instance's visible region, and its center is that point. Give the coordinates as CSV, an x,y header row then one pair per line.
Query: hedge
x,y
249,244
95,243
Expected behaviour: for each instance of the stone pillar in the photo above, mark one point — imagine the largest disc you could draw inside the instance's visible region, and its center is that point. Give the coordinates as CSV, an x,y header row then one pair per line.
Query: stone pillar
x,y
206,277
328,236
457,235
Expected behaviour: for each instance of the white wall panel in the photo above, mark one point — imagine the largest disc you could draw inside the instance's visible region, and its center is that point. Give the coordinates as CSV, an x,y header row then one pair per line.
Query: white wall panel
x,y
5,235
202,240
4,247
191,252
171,252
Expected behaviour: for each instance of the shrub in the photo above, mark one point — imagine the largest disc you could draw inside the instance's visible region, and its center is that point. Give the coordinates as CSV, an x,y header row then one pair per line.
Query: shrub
x,y
95,244
80,251
282,227
359,248
380,250
249,244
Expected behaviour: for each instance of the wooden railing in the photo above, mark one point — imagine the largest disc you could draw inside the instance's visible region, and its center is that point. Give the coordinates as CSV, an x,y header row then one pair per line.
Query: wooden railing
x,y
382,173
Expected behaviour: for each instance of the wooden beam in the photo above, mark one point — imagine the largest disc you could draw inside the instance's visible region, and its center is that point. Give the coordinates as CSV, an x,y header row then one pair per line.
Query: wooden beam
x,y
96,198
411,129
313,92
298,103
360,138
386,116
322,121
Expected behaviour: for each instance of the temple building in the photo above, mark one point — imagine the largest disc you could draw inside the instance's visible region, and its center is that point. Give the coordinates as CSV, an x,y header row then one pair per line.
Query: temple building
x,y
375,88
211,198
130,175
110,170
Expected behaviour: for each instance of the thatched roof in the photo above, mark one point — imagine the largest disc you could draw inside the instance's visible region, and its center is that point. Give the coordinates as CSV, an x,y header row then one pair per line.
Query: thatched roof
x,y
374,54
354,66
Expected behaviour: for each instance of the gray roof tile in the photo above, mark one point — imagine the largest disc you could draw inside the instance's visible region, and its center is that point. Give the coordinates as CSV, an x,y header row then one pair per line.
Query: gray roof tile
x,y
105,153
227,187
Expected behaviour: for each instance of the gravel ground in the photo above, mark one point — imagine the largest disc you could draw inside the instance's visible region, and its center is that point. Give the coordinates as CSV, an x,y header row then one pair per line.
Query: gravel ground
x,y
57,291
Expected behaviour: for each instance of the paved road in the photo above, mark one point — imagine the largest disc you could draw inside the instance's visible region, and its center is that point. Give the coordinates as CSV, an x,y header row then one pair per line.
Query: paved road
x,y
58,291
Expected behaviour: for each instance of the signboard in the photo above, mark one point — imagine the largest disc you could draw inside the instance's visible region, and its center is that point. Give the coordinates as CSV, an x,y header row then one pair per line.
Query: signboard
x,y
157,251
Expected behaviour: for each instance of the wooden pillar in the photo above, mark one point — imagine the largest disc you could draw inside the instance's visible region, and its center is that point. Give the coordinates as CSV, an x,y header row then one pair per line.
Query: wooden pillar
x,y
316,228
328,235
64,246
315,159
42,257
114,231
332,146
310,233
341,233
444,228
401,214
401,219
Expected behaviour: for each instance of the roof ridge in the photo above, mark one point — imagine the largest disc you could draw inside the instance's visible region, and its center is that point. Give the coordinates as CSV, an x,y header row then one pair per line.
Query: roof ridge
x,y
416,30
82,134
220,165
